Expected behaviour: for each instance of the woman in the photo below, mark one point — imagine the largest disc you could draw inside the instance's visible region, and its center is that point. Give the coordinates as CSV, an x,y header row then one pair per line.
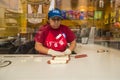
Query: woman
x,y
53,37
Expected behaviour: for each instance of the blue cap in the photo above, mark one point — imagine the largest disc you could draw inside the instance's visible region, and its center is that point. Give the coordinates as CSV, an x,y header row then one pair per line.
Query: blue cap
x,y
54,13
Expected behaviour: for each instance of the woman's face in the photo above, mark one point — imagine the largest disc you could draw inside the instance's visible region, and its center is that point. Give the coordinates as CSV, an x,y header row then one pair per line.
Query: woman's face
x,y
55,22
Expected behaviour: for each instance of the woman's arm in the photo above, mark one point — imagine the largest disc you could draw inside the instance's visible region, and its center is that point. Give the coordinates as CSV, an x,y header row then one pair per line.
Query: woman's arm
x,y
72,45
40,48
71,48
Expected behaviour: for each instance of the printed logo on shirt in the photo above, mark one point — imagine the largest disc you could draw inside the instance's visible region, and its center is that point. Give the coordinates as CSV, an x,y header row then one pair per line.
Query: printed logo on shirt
x,y
61,42
57,37
64,35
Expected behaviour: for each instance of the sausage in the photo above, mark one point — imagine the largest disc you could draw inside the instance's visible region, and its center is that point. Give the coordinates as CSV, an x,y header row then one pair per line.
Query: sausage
x,y
81,56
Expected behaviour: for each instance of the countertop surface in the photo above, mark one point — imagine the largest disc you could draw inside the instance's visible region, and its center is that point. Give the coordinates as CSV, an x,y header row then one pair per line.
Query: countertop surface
x,y
96,66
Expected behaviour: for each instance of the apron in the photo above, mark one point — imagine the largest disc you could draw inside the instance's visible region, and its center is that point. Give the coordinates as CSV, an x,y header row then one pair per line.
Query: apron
x,y
57,43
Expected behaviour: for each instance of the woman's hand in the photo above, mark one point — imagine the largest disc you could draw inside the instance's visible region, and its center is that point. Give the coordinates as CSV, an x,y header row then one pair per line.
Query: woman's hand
x,y
67,52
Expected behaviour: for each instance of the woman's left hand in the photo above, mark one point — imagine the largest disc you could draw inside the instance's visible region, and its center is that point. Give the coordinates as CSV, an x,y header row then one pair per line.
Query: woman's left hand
x,y
67,52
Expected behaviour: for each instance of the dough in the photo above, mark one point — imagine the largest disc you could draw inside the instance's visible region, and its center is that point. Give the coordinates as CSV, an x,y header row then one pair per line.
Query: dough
x,y
61,58
57,61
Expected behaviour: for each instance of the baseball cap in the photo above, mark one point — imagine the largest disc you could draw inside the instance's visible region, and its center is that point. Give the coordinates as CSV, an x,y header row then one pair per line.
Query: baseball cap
x,y
55,13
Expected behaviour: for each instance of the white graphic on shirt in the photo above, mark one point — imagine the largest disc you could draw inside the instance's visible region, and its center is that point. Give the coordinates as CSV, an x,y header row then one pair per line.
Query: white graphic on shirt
x,y
56,43
61,42
57,37
64,35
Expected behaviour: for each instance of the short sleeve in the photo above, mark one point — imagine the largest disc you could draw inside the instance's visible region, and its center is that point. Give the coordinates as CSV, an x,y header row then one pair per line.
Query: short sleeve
x,y
70,36
40,35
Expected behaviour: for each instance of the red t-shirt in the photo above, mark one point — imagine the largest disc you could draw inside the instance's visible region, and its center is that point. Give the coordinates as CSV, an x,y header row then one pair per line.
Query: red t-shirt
x,y
44,30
